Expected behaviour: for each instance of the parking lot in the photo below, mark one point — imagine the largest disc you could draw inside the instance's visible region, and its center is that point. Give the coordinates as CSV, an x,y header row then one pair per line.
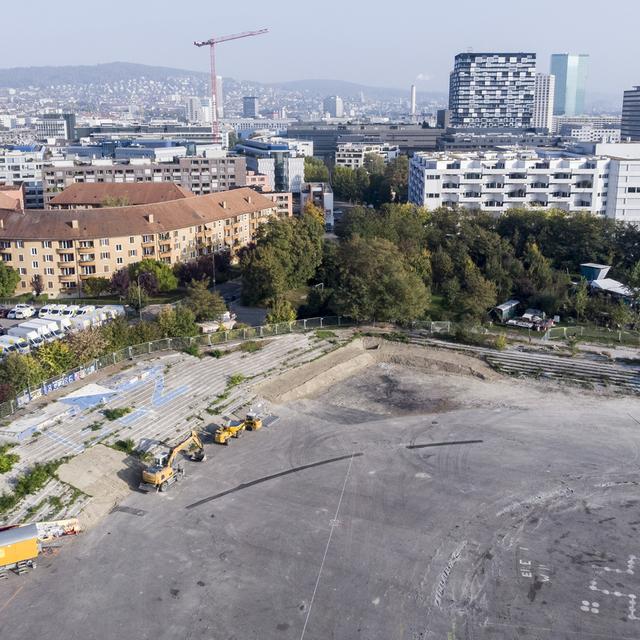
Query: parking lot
x,y
393,504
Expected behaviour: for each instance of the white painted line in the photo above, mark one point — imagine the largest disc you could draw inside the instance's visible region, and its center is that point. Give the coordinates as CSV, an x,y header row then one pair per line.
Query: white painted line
x,y
333,523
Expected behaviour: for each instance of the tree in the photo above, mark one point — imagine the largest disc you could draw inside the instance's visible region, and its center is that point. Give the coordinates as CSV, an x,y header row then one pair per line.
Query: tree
x,y
204,304
37,284
178,322
313,210
375,283
9,279
120,281
88,345
620,314
55,358
477,295
374,164
95,287
281,311
137,297
397,176
344,183
580,299
164,277
315,170
202,267
21,372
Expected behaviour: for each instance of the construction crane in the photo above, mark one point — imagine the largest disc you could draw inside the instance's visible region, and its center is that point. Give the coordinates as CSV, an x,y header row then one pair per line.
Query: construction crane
x,y
211,43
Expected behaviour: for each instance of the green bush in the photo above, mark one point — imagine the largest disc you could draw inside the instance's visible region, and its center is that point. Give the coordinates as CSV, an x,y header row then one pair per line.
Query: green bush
x,y
128,445
235,379
216,353
501,342
114,414
324,334
192,350
7,460
251,346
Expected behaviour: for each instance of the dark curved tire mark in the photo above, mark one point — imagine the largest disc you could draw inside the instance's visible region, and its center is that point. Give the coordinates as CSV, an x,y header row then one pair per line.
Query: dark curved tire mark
x,y
246,485
442,444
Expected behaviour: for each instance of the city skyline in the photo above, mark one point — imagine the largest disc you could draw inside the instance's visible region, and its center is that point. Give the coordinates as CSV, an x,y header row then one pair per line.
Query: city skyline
x,y
150,38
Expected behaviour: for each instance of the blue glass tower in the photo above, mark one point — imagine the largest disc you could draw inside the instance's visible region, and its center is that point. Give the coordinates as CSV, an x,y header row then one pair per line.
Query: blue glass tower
x,y
570,71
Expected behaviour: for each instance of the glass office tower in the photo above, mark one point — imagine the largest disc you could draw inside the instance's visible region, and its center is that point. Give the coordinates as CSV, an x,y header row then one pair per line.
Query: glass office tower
x,y
570,71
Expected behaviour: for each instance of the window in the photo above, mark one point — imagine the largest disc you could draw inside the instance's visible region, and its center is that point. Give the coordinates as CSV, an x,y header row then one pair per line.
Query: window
x,y
23,271
104,242
633,189
132,253
34,251
46,244
131,240
118,247
34,264
119,260
148,238
48,258
66,244
48,271
20,244
105,255
106,268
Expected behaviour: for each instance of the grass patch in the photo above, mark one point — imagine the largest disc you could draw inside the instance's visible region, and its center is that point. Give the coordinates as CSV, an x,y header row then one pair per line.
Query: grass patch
x,y
216,353
30,483
114,414
95,426
7,460
394,336
324,334
55,502
251,346
192,350
235,379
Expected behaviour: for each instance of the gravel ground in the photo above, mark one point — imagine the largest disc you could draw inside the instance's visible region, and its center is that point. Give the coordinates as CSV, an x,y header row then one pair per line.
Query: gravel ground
x,y
393,504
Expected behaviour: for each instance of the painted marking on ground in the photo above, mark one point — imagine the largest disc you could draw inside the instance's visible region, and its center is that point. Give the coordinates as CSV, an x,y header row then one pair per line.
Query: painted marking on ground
x,y
132,417
159,397
594,607
56,437
442,444
333,524
246,485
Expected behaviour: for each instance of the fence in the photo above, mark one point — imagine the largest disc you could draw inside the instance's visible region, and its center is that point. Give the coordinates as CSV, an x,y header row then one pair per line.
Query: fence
x,y
594,333
166,344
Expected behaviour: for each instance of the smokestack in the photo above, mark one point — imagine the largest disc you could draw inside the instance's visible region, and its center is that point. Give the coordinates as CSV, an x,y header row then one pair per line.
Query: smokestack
x,y
413,100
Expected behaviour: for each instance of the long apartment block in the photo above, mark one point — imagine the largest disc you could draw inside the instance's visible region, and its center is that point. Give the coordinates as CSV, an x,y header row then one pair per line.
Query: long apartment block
x,y
497,181
66,247
198,174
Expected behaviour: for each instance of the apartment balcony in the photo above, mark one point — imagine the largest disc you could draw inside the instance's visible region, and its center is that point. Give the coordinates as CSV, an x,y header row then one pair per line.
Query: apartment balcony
x,y
582,186
516,178
68,278
493,204
64,249
561,195
450,186
538,203
493,172
86,259
516,195
471,195
559,180
539,185
61,265
494,186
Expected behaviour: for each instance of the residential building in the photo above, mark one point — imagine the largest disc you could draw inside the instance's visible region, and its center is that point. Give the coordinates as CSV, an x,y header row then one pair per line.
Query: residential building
x,y
603,179
22,165
587,133
220,99
353,154
198,174
543,101
334,106
258,181
570,71
282,164
492,90
84,195
283,202
321,195
61,126
631,115
194,111
250,107
489,139
66,247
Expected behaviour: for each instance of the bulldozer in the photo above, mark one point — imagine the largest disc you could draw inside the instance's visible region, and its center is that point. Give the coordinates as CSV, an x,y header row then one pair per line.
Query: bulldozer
x,y
224,434
162,474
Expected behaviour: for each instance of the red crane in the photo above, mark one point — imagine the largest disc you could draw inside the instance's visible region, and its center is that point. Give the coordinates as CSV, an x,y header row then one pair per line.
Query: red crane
x,y
211,43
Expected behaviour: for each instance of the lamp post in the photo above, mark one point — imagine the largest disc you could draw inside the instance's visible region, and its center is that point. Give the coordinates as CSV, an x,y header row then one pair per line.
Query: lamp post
x,y
139,297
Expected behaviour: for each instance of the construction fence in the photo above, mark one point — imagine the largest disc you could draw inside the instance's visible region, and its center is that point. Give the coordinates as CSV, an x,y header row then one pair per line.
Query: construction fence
x,y
598,334
166,344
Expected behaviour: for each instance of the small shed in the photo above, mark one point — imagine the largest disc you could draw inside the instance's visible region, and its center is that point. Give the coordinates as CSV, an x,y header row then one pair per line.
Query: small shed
x,y
591,271
18,544
506,310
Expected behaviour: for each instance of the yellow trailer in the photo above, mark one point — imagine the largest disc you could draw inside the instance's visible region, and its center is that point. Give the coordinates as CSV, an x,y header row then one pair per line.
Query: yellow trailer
x,y
19,548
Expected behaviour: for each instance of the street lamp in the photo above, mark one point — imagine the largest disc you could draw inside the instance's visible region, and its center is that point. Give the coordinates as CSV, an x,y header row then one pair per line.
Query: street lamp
x,y
139,297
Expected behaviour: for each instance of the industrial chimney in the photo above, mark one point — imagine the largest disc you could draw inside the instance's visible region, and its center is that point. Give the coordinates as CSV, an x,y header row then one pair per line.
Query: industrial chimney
x,y
413,100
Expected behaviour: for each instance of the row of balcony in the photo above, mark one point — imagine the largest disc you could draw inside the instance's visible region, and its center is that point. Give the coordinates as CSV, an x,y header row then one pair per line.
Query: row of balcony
x,y
534,185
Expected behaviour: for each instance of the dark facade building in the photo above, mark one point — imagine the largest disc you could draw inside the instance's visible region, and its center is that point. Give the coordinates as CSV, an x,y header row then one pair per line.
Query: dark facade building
x,y
630,128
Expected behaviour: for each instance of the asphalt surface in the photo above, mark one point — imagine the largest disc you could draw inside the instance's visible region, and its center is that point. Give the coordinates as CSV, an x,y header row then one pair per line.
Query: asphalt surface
x,y
518,520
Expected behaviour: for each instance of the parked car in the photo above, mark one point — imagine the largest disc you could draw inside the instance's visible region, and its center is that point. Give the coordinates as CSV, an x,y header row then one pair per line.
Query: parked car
x,y
21,312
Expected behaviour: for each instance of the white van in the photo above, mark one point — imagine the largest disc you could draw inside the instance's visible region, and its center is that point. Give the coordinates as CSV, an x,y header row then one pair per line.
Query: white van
x,y
43,329
50,325
84,310
11,344
51,311
71,310
32,336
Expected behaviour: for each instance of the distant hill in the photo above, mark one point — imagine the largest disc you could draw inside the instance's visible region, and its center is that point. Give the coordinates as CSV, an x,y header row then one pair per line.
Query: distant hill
x,y
21,77
112,72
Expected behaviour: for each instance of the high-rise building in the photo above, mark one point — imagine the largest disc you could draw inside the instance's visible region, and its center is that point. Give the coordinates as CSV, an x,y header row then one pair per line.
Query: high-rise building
x,y
249,107
543,101
630,129
334,106
56,125
492,90
220,98
570,71
194,111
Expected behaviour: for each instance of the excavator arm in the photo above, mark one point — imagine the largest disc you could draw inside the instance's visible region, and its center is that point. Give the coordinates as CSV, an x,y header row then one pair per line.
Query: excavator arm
x,y
192,439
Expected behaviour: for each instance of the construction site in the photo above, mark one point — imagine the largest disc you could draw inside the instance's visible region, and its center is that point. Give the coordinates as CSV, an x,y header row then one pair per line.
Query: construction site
x,y
333,484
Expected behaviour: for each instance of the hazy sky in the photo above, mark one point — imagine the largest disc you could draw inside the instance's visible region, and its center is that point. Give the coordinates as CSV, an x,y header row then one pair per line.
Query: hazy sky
x,y
369,41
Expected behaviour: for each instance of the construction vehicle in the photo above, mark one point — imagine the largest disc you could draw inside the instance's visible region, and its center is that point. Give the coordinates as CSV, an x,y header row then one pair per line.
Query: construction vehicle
x,y
223,434
162,474
19,549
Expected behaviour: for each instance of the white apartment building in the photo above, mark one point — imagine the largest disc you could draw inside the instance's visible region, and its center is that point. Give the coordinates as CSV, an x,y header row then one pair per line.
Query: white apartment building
x,y
597,122
605,182
543,98
586,133
352,154
23,165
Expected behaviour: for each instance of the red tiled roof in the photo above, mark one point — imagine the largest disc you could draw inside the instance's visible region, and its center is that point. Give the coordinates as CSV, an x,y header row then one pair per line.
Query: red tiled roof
x,y
32,224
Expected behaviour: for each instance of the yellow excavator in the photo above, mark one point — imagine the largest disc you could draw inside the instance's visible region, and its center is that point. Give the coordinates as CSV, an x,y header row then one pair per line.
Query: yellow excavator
x,y
223,434
162,474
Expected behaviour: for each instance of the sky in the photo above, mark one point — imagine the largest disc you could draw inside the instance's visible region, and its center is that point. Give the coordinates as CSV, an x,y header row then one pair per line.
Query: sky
x,y
372,42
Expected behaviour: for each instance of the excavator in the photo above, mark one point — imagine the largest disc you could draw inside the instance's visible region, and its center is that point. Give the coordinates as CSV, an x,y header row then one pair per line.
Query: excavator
x,y
224,434
163,474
